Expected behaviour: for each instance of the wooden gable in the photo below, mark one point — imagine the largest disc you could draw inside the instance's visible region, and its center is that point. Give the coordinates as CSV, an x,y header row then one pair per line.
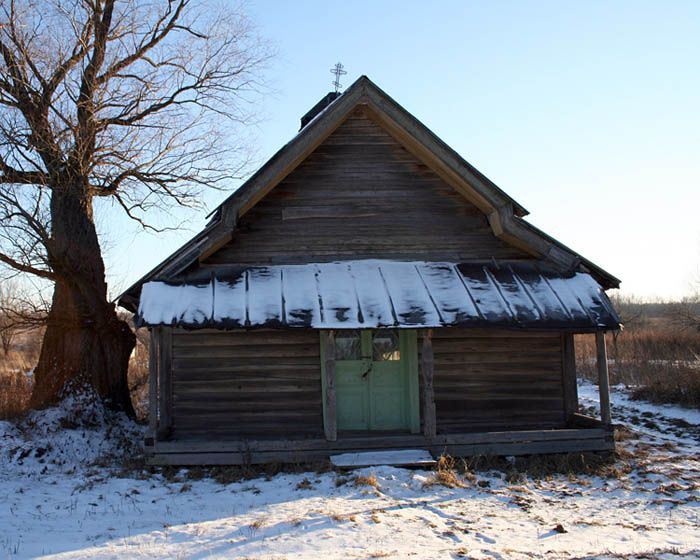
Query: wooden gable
x,y
359,195
366,179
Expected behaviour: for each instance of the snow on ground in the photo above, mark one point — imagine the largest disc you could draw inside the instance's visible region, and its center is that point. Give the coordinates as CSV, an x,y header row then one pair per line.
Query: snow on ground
x,y
59,499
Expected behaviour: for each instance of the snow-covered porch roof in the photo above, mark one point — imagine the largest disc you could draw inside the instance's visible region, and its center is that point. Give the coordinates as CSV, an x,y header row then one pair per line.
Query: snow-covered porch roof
x,y
378,293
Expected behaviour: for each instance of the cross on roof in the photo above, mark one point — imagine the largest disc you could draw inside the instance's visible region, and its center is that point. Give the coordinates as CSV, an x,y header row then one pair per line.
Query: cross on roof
x,y
338,71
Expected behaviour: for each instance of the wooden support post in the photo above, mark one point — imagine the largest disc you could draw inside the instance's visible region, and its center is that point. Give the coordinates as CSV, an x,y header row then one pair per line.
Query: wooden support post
x,y
569,375
603,379
165,385
330,425
153,383
429,422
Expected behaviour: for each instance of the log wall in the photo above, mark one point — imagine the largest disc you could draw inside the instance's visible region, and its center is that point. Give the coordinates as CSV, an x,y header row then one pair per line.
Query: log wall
x,y
239,385
497,380
362,195
260,384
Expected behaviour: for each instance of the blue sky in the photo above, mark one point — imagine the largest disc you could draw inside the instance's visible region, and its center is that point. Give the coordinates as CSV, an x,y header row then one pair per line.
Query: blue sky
x,y
587,113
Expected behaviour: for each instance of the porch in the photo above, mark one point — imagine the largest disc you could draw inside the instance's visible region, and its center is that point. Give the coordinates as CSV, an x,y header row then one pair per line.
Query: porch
x,y
583,433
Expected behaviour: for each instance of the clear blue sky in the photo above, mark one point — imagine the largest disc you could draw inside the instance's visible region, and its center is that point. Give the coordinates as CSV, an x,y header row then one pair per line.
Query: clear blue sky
x,y
587,113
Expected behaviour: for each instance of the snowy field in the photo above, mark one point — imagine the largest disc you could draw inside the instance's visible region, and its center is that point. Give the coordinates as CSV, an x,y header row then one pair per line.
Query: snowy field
x,y
61,497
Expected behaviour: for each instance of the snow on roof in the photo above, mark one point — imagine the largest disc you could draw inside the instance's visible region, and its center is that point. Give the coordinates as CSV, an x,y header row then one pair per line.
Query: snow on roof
x,y
378,293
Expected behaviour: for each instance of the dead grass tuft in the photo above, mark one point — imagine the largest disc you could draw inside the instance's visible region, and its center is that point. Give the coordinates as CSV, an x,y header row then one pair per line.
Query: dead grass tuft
x,y
366,480
445,474
340,517
257,524
341,481
305,485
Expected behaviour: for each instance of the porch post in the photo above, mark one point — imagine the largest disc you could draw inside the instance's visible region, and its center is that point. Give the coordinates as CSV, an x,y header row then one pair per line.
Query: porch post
x,y
152,382
165,386
603,379
330,427
569,375
429,422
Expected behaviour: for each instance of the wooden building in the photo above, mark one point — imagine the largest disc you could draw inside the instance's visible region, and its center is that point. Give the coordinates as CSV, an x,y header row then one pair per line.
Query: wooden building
x,y
368,289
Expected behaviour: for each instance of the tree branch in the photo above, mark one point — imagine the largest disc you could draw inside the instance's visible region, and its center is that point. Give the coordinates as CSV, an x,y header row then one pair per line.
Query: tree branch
x,y
9,261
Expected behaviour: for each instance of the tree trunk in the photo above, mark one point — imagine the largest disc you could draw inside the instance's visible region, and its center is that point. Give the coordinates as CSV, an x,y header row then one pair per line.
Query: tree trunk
x,y
85,343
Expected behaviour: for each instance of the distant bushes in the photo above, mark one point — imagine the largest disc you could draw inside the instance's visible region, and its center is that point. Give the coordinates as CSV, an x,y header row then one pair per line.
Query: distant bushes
x,y
656,356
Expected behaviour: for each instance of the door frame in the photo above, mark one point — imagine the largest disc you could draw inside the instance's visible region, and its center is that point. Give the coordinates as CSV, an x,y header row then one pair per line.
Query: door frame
x,y
408,346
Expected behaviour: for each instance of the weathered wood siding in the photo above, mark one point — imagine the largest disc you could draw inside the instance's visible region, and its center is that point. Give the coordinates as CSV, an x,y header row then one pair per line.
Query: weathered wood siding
x,y
259,384
253,384
497,380
362,195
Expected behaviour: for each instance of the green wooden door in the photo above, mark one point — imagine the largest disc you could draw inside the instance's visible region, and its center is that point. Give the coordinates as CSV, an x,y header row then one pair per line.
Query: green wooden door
x,y
376,380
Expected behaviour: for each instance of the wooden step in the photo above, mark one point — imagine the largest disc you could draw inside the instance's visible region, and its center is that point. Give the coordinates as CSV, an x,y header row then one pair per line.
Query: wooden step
x,y
391,457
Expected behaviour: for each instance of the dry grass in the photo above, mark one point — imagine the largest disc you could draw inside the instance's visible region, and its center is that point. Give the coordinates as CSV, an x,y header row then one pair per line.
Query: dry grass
x,y
659,359
257,525
445,474
15,390
368,480
539,467
305,484
341,517
15,384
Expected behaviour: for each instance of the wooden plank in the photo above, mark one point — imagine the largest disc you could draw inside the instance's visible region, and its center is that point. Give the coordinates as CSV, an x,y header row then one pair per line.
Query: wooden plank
x,y
409,349
501,379
222,386
153,383
582,421
259,338
248,452
408,212
603,379
165,384
569,375
330,419
530,448
429,421
377,442
397,458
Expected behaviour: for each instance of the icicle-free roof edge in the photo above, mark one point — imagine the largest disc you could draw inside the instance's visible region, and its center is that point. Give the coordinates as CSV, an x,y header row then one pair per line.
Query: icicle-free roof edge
x,y
296,296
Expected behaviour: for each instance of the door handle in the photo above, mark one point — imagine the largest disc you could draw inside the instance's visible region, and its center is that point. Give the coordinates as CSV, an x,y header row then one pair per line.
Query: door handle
x,y
369,368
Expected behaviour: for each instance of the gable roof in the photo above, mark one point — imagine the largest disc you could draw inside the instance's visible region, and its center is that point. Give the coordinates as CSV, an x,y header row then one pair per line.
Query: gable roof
x,y
503,212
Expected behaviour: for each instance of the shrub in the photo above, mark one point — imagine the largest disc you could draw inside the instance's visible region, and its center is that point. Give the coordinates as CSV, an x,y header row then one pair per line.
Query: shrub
x,y
658,358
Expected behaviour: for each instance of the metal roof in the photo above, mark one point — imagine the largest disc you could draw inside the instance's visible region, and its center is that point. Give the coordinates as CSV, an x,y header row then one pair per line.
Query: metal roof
x,y
377,293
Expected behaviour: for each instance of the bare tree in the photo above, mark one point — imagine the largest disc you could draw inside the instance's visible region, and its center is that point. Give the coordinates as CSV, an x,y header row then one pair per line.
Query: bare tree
x,y
21,310
8,330
686,313
128,99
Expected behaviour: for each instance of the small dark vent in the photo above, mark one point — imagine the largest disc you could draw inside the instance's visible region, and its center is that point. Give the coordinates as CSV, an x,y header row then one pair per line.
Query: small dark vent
x,y
320,106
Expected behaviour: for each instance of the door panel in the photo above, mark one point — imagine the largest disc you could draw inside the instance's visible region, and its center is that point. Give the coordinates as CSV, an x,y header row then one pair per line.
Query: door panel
x,y
372,393
388,396
352,396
